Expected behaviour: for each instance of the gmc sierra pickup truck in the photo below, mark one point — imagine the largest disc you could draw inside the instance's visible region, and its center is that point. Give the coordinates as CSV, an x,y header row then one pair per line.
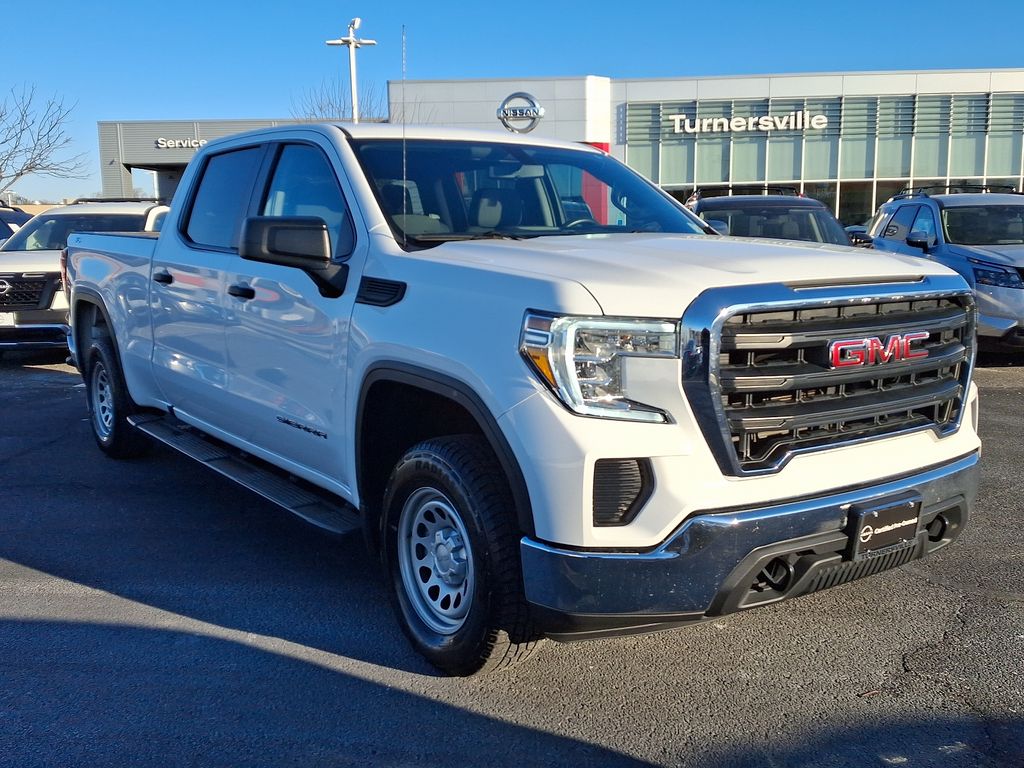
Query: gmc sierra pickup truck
x,y
552,400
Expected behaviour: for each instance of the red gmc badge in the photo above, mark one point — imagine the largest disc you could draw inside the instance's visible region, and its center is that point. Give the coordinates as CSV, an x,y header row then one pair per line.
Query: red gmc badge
x,y
853,353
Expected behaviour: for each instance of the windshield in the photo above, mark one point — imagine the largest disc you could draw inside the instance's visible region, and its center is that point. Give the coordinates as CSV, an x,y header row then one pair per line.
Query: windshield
x,y
436,191
798,223
984,224
50,232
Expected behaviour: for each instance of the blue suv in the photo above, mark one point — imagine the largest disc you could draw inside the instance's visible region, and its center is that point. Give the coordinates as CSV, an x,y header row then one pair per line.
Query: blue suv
x,y
979,234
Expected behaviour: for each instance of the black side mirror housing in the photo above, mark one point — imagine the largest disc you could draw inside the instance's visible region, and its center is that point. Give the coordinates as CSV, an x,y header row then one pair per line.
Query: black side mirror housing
x,y
861,239
301,242
918,239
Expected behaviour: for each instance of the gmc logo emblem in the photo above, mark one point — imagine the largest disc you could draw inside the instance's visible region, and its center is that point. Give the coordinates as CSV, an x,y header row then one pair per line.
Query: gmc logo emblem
x,y
851,353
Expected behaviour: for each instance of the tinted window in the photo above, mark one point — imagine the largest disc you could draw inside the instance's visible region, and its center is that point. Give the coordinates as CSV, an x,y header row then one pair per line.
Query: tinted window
x,y
899,227
925,222
305,185
50,232
984,224
797,223
222,198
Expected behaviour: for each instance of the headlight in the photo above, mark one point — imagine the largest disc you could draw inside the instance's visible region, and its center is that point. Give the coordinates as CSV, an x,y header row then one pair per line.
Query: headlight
x,y
583,360
993,274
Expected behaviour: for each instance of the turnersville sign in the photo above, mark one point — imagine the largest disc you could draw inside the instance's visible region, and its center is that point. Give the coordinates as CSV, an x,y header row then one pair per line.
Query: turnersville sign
x,y
794,121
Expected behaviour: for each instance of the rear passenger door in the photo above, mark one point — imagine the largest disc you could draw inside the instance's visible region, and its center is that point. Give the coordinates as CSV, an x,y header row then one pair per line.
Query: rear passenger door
x,y
188,286
287,344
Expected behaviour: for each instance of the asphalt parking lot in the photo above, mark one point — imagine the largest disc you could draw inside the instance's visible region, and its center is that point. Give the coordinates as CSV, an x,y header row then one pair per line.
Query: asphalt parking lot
x,y
154,614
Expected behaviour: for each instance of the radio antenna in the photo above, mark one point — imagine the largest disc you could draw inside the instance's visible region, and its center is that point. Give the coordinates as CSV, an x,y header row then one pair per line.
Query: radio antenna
x,y
405,180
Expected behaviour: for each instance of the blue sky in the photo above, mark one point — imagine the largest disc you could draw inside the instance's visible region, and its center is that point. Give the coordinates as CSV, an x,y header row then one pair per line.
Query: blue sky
x,y
182,59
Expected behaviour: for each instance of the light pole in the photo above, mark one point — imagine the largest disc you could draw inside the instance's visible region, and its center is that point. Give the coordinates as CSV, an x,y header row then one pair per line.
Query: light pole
x,y
352,42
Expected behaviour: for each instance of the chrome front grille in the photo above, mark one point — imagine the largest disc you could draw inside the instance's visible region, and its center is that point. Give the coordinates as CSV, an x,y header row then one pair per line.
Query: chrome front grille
x,y
769,382
27,291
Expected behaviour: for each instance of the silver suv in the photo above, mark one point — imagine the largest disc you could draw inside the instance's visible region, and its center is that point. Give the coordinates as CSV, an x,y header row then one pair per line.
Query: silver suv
x,y
33,308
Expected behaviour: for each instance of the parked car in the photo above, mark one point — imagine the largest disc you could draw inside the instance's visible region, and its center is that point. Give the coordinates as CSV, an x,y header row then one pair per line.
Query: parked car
x,y
33,308
979,234
783,217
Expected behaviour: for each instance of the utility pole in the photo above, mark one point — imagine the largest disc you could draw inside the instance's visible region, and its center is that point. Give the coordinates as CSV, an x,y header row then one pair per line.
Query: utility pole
x,y
352,42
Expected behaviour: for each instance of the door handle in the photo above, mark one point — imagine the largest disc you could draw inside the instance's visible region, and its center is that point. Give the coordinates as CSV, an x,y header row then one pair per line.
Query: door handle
x,y
163,277
243,292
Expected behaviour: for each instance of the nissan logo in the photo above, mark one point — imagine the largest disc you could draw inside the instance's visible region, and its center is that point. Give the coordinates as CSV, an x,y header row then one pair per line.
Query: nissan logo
x,y
5,287
520,112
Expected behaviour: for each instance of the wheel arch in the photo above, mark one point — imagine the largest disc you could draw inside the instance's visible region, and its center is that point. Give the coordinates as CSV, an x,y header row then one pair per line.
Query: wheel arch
x,y
450,399
89,306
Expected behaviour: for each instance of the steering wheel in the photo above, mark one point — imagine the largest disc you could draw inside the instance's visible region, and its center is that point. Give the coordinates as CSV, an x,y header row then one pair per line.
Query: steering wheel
x,y
580,222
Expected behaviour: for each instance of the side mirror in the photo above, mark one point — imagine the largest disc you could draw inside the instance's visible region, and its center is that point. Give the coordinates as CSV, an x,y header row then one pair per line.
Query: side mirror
x,y
919,239
861,239
302,242
721,227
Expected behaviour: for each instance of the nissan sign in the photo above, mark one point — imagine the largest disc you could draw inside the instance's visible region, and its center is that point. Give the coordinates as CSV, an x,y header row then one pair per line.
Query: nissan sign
x,y
520,112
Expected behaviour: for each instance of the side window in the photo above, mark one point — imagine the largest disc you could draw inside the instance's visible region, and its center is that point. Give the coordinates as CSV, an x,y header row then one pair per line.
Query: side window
x,y
222,198
925,222
899,227
304,184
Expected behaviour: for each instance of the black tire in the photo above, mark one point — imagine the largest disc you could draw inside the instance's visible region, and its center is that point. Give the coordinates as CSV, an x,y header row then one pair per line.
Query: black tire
x,y
109,402
451,493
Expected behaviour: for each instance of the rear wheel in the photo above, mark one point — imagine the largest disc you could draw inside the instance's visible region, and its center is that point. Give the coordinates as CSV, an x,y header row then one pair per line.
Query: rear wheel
x,y
451,551
109,402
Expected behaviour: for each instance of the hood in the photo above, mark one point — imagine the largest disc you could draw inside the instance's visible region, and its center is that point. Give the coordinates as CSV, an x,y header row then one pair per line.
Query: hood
x,y
654,275
1010,255
29,261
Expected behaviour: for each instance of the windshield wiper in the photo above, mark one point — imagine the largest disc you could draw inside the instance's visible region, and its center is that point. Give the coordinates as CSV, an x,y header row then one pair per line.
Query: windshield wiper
x,y
490,234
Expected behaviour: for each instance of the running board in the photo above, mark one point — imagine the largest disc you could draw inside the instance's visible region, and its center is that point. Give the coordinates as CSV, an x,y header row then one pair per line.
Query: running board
x,y
315,506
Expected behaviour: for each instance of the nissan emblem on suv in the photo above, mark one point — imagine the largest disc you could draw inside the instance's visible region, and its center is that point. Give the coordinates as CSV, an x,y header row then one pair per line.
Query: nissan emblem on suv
x,y
520,117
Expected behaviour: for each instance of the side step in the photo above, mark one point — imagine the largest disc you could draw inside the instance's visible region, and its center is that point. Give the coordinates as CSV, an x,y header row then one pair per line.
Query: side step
x,y
311,504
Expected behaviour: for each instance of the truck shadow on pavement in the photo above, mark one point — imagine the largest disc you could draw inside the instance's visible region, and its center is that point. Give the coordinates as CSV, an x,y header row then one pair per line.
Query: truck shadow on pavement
x,y
167,698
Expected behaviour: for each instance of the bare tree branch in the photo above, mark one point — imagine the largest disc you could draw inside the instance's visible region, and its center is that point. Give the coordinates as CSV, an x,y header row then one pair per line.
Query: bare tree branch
x,y
33,138
332,100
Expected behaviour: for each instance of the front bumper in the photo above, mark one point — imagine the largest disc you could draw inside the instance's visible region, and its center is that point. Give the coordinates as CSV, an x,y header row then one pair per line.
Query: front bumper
x,y
34,329
716,562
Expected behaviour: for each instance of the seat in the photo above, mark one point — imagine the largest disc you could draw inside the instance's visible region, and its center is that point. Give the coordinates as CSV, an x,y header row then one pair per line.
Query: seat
x,y
493,208
396,199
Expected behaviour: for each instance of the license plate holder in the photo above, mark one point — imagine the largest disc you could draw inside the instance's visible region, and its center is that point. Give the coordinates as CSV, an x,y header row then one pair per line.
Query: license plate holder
x,y
879,527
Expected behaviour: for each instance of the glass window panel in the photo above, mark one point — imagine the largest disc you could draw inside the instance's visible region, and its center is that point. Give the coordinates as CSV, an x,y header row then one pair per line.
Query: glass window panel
x,y
1004,153
886,189
821,157
855,202
967,155
712,160
748,159
677,162
222,198
931,155
1012,182
784,158
893,156
823,191
643,158
858,157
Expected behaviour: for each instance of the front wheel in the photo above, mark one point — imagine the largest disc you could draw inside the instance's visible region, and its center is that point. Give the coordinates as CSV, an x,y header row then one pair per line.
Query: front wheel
x,y
451,549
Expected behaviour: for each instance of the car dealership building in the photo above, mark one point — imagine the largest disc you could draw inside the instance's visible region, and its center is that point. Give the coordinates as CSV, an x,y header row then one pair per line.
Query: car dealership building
x,y
848,139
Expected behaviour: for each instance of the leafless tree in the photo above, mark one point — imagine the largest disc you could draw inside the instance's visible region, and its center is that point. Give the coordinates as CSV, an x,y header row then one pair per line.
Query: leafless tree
x,y
332,100
34,138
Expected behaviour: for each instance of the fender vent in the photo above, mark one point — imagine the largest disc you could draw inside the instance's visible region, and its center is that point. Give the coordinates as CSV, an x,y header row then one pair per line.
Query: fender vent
x,y
379,292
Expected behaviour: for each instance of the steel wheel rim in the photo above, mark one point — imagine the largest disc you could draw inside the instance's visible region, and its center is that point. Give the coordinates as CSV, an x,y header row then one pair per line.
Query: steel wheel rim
x,y
435,560
102,402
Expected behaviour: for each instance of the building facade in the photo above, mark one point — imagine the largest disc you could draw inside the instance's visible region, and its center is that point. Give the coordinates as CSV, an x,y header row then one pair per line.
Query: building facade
x,y
849,139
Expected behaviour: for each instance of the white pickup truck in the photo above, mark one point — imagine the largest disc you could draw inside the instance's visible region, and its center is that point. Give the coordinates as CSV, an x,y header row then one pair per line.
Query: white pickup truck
x,y
552,400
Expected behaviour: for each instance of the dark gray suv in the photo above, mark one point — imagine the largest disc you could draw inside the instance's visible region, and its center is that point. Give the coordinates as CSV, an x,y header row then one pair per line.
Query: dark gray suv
x,y
979,234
